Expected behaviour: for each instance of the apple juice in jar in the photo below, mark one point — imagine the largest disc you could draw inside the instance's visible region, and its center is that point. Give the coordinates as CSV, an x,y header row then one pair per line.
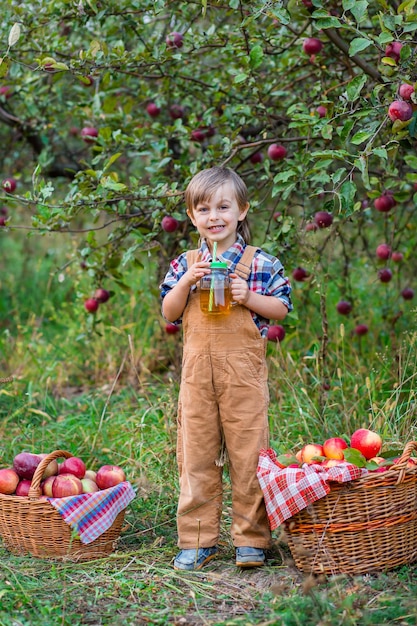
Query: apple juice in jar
x,y
215,292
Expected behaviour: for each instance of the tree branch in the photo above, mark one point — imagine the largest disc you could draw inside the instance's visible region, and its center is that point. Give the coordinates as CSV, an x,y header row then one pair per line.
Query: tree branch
x,y
340,43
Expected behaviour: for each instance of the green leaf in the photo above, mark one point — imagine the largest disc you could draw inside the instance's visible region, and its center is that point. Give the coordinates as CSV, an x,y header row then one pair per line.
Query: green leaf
x,y
358,44
286,460
240,78
4,66
360,10
412,127
347,195
256,56
348,4
355,457
381,152
362,165
328,22
347,127
407,7
355,87
360,137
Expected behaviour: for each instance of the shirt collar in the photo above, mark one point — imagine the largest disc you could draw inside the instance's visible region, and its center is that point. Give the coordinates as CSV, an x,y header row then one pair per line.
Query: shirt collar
x,y
230,256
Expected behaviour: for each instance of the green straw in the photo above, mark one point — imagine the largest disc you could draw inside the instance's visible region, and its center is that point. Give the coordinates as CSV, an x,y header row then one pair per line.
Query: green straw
x,y
211,295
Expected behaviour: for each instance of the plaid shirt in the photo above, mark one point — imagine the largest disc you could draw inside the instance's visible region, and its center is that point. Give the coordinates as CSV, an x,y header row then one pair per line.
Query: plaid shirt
x,y
266,277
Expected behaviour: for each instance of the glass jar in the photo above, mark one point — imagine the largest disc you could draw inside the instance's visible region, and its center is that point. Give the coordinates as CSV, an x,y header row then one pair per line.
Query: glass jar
x,y
215,292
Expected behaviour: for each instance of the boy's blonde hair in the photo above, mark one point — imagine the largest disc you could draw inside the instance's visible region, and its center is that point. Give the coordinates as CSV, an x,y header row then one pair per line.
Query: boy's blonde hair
x,y
203,185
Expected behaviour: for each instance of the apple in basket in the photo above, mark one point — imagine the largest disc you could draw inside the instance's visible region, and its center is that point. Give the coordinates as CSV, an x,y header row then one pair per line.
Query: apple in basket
x,y
23,487
9,480
46,486
89,473
51,468
74,465
367,442
25,464
66,485
89,485
311,452
109,476
333,448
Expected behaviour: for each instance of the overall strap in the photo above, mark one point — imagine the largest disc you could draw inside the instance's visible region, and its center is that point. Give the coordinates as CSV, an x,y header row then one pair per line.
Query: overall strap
x,y
243,268
191,257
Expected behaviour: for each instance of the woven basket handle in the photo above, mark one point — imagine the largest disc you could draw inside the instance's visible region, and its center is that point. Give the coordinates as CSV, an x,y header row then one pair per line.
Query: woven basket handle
x,y
401,464
35,488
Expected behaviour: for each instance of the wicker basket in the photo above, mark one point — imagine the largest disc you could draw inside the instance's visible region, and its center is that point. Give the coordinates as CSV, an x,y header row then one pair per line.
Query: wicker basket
x,y
31,526
367,525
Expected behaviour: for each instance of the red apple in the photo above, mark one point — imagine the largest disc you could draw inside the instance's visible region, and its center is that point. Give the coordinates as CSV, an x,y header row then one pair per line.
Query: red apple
x,y
377,459
109,476
101,295
89,134
176,111
25,464
323,219
407,293
384,203
400,110
322,111
66,485
299,274
298,456
23,487
311,226
6,91
397,256
89,473
9,185
333,448
276,333
153,109
46,486
361,329
331,463
91,305
74,465
385,275
406,91
171,329
256,157
89,486
311,45
367,442
393,50
9,479
383,251
311,451
344,307
174,40
2,220
277,152
198,134
169,224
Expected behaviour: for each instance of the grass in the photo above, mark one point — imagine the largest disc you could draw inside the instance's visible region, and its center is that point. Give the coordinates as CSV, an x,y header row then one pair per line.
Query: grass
x,y
106,391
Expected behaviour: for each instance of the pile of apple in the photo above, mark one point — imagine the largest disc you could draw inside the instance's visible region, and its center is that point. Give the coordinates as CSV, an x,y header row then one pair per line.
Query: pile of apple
x,y
67,478
363,450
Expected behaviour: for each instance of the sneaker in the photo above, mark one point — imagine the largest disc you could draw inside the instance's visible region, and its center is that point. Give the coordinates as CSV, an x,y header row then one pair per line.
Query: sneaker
x,y
250,557
194,559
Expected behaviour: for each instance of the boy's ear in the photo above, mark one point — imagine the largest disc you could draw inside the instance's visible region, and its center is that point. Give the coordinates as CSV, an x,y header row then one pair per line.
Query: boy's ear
x,y
243,213
191,216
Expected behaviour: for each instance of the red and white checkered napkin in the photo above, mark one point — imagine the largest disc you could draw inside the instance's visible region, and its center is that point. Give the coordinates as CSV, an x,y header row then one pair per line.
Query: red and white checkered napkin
x,y
91,514
287,491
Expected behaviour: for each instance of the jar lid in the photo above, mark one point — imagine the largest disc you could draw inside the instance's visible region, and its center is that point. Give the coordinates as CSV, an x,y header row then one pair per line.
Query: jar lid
x,y
218,265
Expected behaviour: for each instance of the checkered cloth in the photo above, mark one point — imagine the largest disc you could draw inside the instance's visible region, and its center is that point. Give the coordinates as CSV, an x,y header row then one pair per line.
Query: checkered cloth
x,y
91,514
287,491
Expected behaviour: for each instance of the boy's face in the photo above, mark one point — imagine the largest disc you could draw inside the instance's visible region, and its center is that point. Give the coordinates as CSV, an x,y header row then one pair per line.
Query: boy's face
x,y
217,218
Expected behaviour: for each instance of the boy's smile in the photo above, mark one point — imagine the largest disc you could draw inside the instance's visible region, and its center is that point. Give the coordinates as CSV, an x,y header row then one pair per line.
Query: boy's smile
x,y
217,218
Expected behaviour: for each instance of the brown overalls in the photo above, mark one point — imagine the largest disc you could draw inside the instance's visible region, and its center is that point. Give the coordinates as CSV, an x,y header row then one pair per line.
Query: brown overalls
x,y
223,390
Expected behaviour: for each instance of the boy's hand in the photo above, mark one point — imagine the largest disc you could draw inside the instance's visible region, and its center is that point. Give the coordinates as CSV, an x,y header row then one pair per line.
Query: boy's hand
x,y
239,289
196,271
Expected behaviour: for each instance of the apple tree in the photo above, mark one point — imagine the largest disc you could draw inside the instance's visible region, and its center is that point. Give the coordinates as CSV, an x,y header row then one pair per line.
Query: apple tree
x,y
108,108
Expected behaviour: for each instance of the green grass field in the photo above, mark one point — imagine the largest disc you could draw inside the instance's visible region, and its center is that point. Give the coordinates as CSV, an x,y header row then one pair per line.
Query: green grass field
x,y
106,391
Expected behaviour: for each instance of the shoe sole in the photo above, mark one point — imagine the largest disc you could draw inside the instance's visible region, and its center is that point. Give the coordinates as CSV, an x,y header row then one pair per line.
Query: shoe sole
x,y
195,569
250,563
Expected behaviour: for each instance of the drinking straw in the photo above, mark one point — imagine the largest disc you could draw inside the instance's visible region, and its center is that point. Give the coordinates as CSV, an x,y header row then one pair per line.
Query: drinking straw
x,y
211,295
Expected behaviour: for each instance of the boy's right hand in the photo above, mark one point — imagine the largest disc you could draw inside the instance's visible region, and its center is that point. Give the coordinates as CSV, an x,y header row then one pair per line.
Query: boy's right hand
x,y
196,271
